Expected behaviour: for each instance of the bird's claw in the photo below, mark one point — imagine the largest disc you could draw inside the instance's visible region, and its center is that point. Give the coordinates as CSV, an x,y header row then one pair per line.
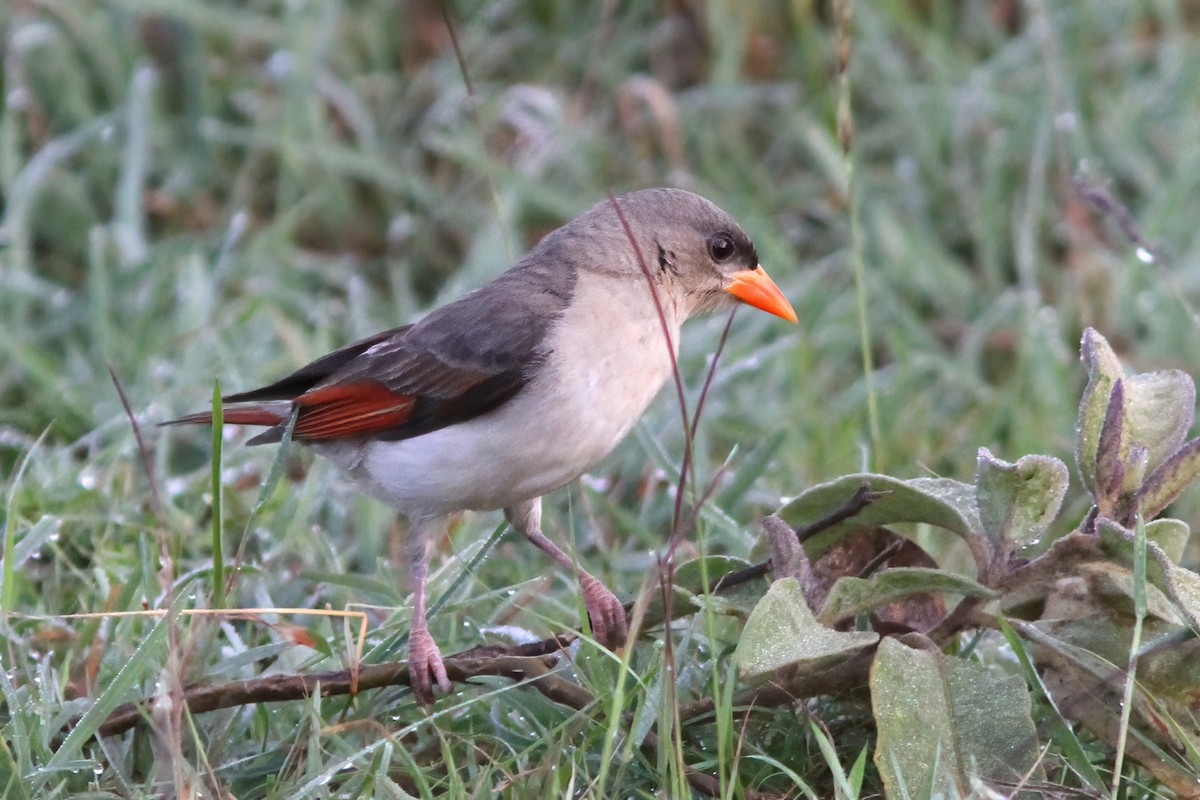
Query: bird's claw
x,y
425,667
607,615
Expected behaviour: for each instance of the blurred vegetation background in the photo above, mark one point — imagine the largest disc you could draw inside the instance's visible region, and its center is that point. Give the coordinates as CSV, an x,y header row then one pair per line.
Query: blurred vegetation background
x,y
228,189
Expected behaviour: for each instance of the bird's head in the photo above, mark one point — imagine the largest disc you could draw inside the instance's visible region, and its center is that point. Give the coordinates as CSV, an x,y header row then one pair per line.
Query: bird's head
x,y
695,249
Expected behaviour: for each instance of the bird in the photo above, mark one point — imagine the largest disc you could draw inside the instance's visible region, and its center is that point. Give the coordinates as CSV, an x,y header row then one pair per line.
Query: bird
x,y
517,388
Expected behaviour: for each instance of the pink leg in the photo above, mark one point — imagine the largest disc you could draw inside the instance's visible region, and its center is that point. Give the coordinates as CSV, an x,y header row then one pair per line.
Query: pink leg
x,y
425,665
607,615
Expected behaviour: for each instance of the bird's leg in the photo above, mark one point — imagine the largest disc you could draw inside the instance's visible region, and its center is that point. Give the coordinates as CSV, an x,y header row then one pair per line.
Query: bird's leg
x,y
607,615
424,658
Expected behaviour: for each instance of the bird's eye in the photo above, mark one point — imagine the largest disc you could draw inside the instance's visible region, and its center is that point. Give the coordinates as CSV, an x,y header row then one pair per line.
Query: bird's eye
x,y
721,247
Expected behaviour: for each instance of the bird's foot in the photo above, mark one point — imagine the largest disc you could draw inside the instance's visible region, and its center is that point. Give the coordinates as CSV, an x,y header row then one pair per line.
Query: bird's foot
x,y
425,666
607,615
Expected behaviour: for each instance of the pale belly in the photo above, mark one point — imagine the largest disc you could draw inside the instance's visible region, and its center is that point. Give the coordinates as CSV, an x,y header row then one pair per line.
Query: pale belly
x,y
589,395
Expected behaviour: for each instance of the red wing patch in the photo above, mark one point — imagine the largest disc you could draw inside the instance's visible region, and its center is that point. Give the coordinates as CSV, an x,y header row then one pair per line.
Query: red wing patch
x,y
329,412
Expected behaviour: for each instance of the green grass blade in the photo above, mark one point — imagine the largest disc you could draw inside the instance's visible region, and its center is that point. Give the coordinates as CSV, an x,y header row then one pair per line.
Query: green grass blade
x,y
1135,645
8,580
113,694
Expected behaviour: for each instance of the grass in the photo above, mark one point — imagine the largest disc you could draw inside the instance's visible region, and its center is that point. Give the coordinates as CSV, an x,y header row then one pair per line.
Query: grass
x,y
195,191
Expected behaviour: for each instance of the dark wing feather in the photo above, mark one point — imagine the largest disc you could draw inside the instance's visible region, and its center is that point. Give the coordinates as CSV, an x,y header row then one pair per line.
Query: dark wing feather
x,y
462,361
308,376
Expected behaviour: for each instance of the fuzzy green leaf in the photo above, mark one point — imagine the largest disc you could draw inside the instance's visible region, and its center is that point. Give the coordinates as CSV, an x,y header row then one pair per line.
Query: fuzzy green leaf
x,y
944,722
1171,535
1112,453
1017,502
851,596
940,502
782,630
1179,584
1168,481
1159,407
1104,370
1137,464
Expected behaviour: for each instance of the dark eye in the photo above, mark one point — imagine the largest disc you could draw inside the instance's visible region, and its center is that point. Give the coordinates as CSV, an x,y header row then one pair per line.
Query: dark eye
x,y
721,247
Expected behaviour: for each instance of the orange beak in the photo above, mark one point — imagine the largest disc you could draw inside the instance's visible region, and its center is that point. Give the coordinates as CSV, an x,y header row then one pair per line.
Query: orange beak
x,y
755,287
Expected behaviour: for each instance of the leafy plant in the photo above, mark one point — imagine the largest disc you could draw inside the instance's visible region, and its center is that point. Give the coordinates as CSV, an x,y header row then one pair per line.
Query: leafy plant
x,y
1105,615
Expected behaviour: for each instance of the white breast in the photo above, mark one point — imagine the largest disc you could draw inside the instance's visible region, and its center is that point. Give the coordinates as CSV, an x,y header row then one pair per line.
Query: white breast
x,y
607,361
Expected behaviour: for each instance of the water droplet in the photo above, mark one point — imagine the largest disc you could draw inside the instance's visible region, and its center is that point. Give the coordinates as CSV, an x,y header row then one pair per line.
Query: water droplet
x,y
18,99
280,64
238,224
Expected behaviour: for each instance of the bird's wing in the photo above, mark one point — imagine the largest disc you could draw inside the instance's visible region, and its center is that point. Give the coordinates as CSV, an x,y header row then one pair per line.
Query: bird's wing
x,y
460,362
400,388
308,376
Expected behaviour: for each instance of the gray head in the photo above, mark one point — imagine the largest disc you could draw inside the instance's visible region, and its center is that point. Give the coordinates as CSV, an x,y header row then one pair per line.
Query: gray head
x,y
688,245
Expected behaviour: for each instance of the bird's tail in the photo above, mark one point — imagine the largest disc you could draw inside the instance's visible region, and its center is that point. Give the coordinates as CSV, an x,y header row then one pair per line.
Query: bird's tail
x,y
250,415
275,420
